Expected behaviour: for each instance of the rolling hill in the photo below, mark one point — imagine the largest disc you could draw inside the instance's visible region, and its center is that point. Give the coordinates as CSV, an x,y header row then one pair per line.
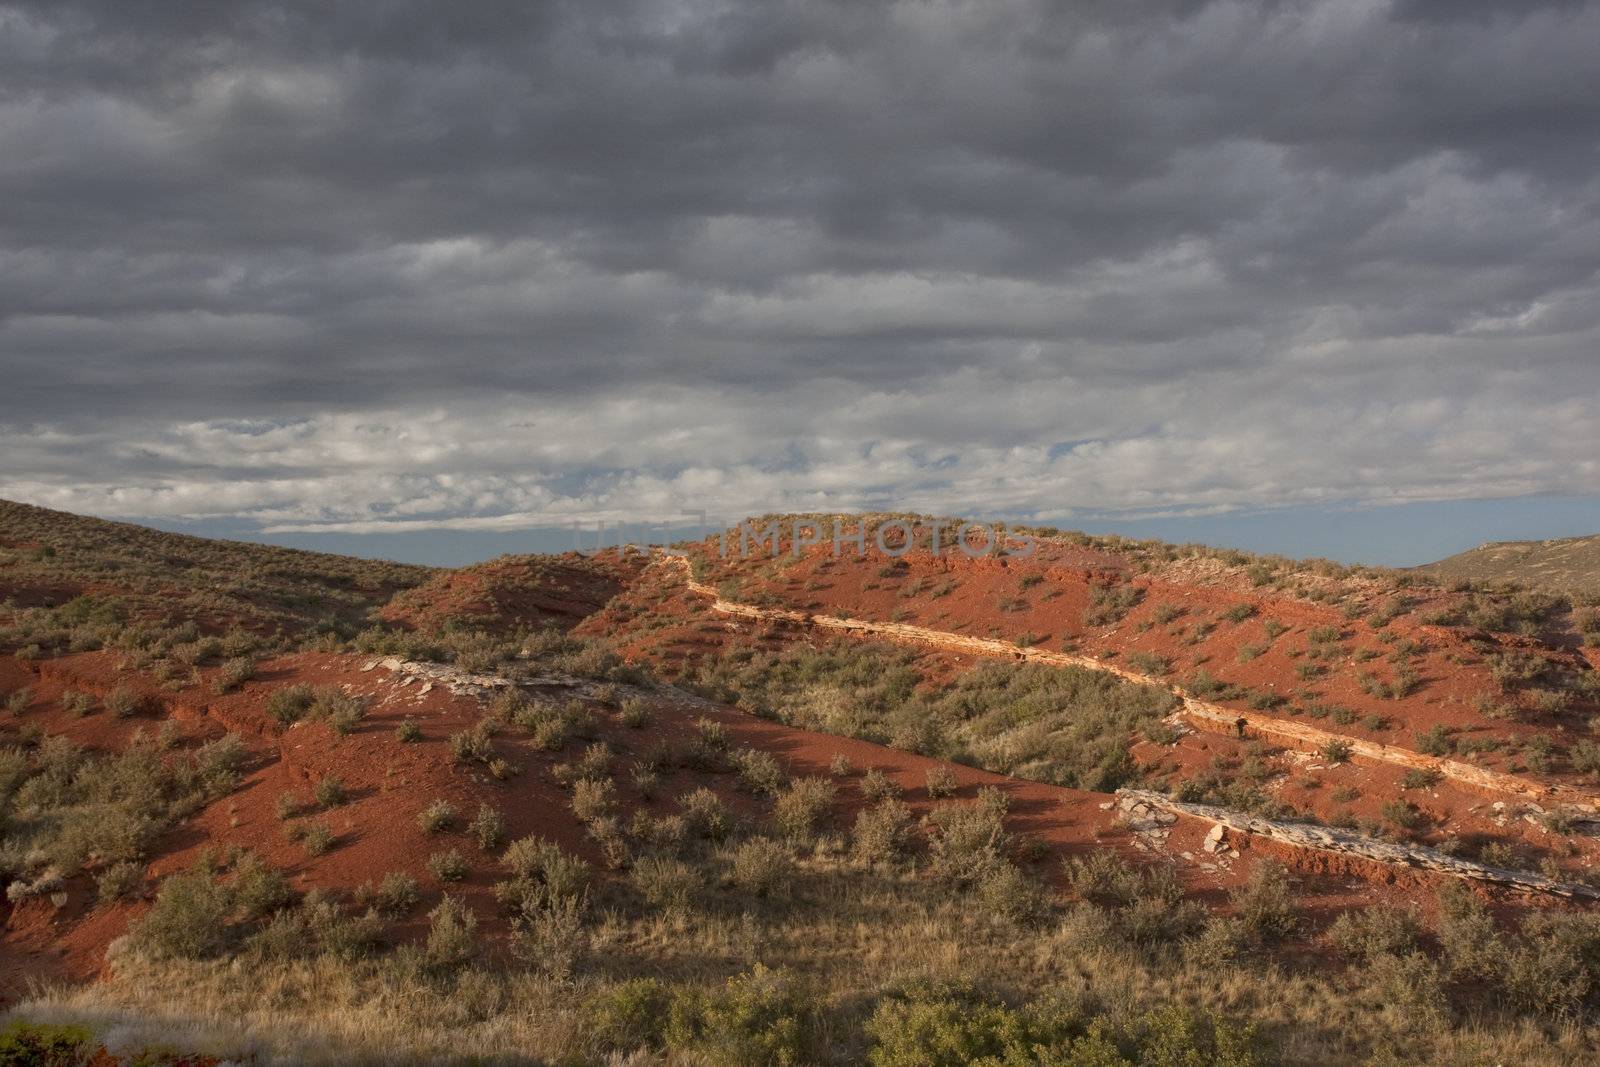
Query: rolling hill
x,y
1567,565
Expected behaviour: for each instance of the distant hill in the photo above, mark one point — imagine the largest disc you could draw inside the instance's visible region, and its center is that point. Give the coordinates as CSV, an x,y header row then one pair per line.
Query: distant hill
x,y
1569,564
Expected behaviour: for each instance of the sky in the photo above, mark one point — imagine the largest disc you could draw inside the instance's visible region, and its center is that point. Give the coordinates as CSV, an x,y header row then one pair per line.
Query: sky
x,y
1318,278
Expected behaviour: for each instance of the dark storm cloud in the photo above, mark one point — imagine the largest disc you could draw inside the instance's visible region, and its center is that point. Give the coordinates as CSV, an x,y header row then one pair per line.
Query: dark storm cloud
x,y
1144,217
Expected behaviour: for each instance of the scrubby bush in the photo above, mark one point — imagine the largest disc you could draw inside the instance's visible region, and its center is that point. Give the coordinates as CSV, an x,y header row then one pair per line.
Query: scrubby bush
x,y
189,919
331,792
26,1044
448,865
542,875
290,704
117,881
452,936
708,751
437,817
593,765
124,703
407,732
1108,603
1366,933
288,806
877,785
664,882
758,771
488,828
705,815
1006,892
932,1025
881,832
342,711
762,1018
1467,936
635,713
593,799
259,890
941,782
630,1015
1552,967
397,894
760,865
317,839
1337,751
234,673
1420,778
1265,903
966,841
1436,741
798,809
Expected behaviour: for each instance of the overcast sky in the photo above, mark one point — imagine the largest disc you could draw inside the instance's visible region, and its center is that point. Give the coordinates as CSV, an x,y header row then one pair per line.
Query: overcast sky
x,y
371,268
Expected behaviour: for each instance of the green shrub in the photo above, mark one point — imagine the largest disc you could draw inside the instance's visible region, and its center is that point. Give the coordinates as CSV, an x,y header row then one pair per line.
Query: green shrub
x,y
877,785
705,815
290,704
1006,892
1337,751
488,828
542,875
762,1018
635,713
665,883
447,866
189,919
452,936
1265,903
1108,603
330,792
941,782
407,732
630,1015
1468,938
19,701
437,817
342,710
28,1044
799,809
234,673
1551,968
881,832
954,1026
593,799
80,704
259,890
966,841
1436,741
317,839
758,771
124,703
1420,779
1366,933
117,881
760,866
397,894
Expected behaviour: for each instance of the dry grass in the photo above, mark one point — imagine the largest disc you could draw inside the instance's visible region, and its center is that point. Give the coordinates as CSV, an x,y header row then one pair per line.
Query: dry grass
x,y
856,933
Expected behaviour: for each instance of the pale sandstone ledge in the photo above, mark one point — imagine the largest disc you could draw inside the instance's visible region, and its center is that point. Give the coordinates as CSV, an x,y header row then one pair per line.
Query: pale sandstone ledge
x,y
1142,809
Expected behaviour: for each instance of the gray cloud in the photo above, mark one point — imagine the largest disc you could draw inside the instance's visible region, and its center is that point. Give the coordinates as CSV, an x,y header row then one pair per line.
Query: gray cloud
x,y
365,264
